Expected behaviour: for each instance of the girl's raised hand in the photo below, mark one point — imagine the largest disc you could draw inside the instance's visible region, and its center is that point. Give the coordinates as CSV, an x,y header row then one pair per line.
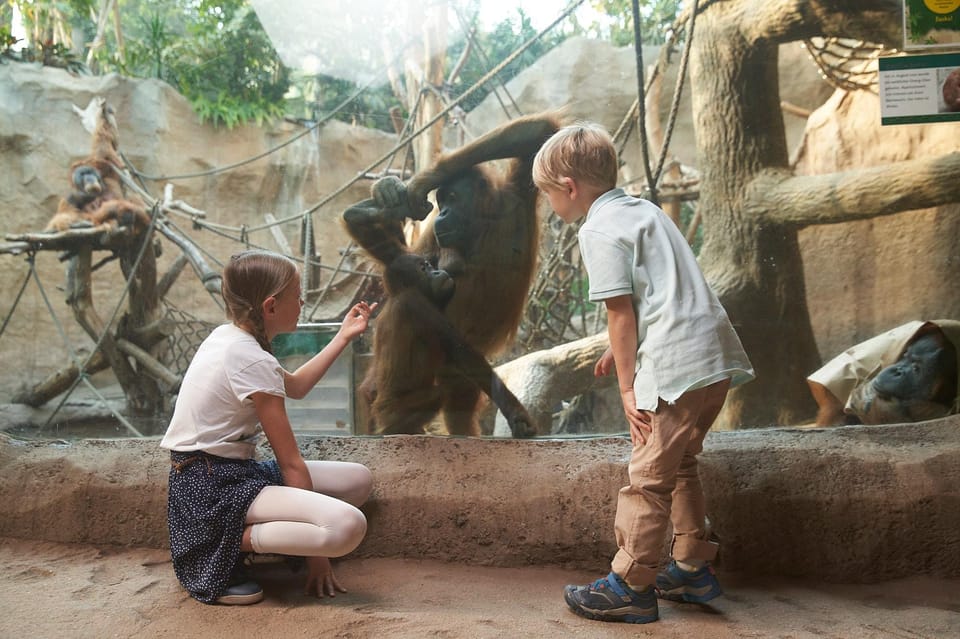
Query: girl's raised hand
x,y
356,319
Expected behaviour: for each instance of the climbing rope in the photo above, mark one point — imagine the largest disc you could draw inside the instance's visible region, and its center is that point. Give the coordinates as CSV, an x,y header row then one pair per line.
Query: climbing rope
x,y
31,258
678,92
641,106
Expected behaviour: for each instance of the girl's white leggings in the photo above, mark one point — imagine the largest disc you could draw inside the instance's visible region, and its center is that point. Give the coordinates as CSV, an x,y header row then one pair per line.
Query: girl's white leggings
x,y
324,523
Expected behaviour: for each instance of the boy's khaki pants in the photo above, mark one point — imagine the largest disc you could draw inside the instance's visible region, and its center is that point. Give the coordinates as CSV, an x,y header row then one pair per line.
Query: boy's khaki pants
x,y
665,487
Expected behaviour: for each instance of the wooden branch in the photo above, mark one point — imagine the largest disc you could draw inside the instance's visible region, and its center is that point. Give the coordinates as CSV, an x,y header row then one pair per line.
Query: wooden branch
x,y
856,195
59,382
172,205
691,233
277,234
211,279
98,39
462,60
104,236
15,248
166,282
148,335
793,109
149,363
787,21
541,379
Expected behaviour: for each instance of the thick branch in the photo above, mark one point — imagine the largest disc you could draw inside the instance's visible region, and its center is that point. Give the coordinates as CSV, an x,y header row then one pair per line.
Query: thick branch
x,y
543,378
211,279
149,363
100,237
877,21
856,195
59,382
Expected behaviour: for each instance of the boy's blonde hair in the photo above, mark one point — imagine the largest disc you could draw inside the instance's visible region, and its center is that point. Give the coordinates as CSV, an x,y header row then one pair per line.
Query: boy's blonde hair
x,y
583,151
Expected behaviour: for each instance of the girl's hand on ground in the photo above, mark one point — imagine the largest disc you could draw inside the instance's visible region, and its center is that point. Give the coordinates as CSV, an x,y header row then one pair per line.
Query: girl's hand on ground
x,y
320,578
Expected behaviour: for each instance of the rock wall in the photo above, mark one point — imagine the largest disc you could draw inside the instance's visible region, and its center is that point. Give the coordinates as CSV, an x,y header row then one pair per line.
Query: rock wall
x,y
597,81
850,504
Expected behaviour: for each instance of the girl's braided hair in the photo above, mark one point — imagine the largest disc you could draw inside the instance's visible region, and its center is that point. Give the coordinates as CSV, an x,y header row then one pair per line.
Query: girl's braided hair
x,y
249,278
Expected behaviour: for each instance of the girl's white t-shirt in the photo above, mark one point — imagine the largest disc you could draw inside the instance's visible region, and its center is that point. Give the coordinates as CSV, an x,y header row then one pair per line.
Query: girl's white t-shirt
x,y
214,412
686,341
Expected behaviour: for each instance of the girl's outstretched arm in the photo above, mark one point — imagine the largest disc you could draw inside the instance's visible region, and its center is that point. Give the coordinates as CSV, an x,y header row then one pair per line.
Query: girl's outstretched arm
x,y
298,383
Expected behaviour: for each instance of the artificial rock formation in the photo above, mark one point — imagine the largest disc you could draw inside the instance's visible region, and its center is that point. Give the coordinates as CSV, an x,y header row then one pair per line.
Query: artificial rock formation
x,y
847,504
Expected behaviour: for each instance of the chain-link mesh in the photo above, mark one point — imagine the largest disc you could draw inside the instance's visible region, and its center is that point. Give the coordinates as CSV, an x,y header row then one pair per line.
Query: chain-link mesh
x,y
557,309
182,343
847,64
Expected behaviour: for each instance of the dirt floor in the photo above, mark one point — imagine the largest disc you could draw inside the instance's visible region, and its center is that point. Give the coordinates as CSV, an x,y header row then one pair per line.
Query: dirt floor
x,y
60,591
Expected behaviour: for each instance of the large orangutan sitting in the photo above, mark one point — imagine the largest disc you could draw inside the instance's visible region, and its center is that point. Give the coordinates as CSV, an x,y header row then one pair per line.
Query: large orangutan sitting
x,y
906,374
97,194
485,234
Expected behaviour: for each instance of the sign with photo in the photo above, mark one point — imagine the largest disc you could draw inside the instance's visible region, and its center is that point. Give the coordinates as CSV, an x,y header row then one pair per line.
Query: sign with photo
x,y
920,88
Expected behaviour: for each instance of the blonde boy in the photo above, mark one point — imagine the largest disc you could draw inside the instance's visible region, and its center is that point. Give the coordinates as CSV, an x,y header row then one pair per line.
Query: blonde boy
x,y
676,355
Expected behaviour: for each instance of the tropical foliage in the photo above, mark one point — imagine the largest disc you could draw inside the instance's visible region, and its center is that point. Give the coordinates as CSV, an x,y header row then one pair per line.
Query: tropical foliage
x,y
217,54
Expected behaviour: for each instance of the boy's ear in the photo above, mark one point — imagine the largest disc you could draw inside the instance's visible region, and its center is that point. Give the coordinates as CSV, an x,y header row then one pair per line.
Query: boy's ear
x,y
570,186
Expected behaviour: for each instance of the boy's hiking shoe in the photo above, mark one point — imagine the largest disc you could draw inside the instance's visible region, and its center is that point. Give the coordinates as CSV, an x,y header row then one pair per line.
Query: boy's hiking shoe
x,y
611,599
677,584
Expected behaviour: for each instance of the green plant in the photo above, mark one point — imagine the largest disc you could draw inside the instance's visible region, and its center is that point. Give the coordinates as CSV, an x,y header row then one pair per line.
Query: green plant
x,y
656,16
216,54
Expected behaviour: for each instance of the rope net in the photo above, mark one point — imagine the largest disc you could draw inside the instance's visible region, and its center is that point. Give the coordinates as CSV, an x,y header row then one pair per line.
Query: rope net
x,y
188,331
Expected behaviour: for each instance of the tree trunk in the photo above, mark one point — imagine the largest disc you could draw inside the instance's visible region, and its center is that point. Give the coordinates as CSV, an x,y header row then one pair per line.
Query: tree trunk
x,y
755,267
143,309
751,253
140,398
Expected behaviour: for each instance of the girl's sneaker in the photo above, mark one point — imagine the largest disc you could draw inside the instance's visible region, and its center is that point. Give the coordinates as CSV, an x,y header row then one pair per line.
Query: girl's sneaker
x,y
676,584
241,589
611,599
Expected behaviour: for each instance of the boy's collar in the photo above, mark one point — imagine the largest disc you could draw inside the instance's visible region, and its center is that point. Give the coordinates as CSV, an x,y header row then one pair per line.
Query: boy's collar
x,y
603,198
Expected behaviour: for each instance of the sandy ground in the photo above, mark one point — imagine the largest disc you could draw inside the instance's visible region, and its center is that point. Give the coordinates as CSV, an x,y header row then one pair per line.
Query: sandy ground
x,y
69,591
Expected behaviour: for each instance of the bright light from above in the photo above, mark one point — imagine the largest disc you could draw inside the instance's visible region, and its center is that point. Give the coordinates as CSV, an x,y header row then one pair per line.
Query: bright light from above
x,y
356,39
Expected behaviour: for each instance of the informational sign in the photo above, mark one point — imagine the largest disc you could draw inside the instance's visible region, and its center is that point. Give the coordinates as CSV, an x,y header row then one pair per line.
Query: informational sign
x,y
931,24
918,89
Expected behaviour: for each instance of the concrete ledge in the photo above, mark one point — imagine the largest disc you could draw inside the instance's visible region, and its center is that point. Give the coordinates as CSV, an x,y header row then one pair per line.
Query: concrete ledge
x,y
852,504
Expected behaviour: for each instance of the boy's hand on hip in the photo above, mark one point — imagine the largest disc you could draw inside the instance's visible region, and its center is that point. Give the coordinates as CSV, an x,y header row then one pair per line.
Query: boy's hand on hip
x,y
640,421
